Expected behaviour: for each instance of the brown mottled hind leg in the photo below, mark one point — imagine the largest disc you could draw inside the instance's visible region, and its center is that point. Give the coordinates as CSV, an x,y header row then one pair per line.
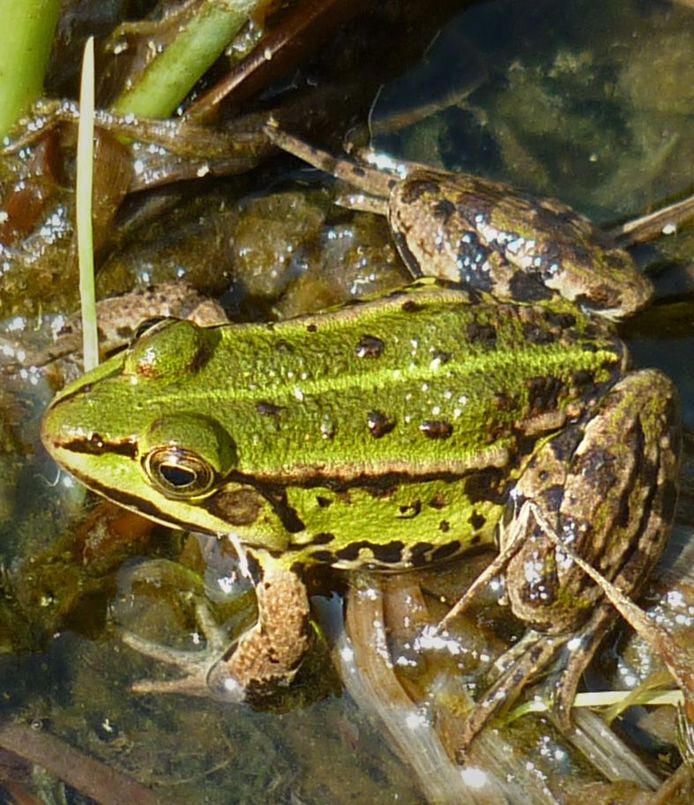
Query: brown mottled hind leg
x,y
605,488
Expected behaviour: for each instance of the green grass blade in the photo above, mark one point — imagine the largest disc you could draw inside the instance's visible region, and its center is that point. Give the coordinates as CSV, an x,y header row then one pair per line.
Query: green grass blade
x,y
26,35
83,206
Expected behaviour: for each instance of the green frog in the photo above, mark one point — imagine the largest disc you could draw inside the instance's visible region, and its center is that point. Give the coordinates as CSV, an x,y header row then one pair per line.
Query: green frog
x,y
485,404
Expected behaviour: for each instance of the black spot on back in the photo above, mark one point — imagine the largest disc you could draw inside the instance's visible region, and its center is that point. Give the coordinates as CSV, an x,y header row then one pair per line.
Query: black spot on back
x,y
440,355
350,552
379,424
482,334
411,510
323,556
390,553
477,520
287,513
419,553
436,429
369,346
265,408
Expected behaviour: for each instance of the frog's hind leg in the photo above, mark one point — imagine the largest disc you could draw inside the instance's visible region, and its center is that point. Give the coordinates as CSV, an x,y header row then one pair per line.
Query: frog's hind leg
x,y
604,487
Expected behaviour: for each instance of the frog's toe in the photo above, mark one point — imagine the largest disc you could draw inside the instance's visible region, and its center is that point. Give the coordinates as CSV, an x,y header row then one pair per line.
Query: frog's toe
x,y
206,678
165,654
580,650
200,676
519,668
265,656
533,654
195,666
193,684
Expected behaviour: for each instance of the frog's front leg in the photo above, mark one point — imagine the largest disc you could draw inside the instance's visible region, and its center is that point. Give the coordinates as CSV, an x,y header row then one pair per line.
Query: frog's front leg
x,y
606,487
265,656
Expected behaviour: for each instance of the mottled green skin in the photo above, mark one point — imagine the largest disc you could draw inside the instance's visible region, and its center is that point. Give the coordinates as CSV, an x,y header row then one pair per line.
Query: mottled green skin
x,y
386,433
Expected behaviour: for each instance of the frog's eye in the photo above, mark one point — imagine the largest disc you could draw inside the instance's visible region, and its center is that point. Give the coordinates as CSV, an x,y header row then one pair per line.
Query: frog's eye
x,y
179,473
185,456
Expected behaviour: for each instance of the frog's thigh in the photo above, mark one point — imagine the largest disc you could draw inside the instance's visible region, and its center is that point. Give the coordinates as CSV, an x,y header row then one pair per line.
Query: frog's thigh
x,y
607,486
271,651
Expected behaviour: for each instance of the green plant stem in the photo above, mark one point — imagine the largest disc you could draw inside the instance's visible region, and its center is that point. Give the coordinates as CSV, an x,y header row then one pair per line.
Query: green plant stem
x,y
26,35
169,77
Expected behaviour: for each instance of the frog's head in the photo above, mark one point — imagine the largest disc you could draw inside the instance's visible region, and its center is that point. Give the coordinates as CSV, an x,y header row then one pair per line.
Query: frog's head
x,y
130,431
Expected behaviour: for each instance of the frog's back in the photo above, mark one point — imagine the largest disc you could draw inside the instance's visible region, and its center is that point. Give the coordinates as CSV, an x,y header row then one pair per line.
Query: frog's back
x,y
423,382
419,383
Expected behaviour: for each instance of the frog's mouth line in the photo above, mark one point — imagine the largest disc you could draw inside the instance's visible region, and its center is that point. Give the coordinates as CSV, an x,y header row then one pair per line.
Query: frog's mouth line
x,y
139,505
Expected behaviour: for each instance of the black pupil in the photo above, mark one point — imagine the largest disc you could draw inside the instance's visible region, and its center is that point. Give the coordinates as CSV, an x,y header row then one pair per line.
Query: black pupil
x,y
177,476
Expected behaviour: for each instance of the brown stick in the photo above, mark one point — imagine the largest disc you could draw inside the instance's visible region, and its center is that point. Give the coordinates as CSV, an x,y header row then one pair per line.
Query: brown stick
x,y
85,774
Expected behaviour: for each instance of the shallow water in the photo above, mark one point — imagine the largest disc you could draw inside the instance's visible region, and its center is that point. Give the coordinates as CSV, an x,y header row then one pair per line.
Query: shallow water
x,y
590,103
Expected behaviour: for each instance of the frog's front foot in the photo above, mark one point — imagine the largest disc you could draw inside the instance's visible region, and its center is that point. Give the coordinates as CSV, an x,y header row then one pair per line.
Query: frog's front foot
x,y
265,656
195,666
